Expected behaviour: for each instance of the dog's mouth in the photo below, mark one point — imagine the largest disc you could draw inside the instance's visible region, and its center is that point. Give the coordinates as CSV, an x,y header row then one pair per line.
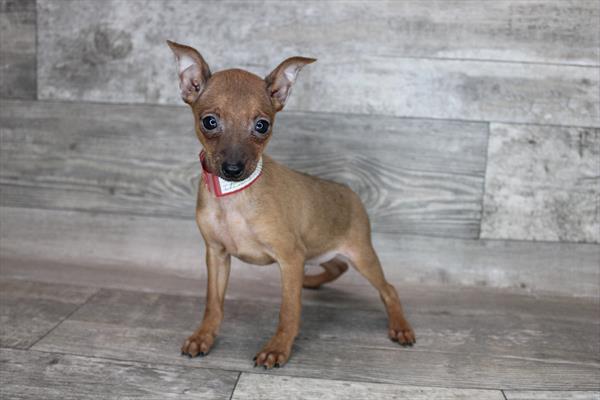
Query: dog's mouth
x,y
232,179
232,172
246,171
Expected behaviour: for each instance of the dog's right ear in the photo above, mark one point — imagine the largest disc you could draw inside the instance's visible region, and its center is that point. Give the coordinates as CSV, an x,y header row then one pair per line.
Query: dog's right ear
x,y
192,69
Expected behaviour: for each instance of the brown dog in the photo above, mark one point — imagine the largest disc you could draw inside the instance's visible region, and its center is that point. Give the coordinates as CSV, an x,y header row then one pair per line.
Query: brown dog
x,y
261,212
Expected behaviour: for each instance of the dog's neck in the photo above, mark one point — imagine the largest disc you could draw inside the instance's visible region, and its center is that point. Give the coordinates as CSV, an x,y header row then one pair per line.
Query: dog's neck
x,y
221,187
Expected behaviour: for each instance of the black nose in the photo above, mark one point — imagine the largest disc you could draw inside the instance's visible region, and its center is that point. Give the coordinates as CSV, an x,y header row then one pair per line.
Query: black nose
x,y
232,170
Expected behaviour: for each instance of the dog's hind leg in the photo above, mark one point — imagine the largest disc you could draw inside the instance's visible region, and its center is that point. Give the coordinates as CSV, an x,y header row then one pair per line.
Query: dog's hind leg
x,y
333,269
363,258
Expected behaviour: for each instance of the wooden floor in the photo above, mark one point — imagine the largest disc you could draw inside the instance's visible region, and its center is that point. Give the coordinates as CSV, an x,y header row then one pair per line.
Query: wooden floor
x,y
100,339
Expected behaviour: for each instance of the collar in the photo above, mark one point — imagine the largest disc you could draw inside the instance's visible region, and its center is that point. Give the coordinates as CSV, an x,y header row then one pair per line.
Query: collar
x,y
221,187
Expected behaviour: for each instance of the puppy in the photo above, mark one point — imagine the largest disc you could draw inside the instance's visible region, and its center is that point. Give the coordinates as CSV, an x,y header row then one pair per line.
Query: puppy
x,y
257,210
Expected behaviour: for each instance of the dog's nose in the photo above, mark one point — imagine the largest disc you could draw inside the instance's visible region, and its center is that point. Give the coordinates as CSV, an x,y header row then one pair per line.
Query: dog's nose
x,y
232,170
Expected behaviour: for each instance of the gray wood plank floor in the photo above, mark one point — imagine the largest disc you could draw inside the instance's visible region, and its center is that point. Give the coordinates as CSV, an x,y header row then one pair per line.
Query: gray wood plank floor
x,y
547,395
471,344
30,310
268,387
36,375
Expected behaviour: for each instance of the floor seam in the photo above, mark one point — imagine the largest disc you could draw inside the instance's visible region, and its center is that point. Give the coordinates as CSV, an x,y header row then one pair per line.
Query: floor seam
x,y
503,394
235,385
64,319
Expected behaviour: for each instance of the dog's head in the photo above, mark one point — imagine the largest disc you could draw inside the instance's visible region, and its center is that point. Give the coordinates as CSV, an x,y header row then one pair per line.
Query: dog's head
x,y
234,110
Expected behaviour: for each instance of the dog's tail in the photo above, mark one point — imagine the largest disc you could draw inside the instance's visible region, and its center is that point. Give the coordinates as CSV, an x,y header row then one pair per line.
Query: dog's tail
x,y
333,269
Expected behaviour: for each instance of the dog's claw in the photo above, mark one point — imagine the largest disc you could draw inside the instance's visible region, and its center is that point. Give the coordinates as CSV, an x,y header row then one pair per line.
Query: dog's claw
x,y
270,359
403,335
198,345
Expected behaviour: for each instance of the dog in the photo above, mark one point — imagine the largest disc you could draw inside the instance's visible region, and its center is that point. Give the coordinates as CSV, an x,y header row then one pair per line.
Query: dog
x,y
257,210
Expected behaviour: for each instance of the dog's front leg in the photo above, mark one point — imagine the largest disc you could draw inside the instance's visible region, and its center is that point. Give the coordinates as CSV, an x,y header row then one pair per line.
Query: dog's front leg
x,y
278,350
218,264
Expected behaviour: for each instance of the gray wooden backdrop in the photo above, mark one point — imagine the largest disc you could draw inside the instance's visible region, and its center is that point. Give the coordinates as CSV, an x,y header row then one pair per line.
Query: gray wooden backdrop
x,y
471,129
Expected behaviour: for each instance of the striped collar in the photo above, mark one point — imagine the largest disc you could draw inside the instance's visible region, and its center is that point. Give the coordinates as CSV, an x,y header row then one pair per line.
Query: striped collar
x,y
221,187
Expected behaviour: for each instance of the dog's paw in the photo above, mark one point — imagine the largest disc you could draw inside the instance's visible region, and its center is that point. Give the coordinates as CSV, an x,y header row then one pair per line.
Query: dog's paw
x,y
402,333
197,344
272,356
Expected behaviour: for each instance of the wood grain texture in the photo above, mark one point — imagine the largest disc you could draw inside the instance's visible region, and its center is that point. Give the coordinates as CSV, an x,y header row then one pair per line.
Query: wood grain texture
x,y
175,247
17,5
36,375
369,54
18,78
542,183
551,395
553,31
29,310
480,345
267,387
414,176
516,326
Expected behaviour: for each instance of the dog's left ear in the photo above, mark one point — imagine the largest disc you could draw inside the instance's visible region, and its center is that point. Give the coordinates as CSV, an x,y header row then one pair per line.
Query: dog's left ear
x,y
281,79
192,69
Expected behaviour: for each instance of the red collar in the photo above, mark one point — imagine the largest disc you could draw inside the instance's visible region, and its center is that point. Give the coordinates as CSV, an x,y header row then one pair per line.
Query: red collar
x,y
221,187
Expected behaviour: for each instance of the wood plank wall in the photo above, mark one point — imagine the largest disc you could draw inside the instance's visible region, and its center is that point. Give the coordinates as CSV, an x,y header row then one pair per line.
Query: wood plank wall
x,y
459,120
18,79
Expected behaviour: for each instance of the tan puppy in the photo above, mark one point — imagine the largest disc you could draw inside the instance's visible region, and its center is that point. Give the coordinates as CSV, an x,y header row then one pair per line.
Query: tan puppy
x,y
261,212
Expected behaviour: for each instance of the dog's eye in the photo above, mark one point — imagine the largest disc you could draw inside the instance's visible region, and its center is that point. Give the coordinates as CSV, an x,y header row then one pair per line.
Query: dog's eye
x,y
210,123
261,126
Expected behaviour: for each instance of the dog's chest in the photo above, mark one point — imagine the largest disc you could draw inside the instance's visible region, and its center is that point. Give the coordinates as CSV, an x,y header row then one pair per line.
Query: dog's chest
x,y
234,230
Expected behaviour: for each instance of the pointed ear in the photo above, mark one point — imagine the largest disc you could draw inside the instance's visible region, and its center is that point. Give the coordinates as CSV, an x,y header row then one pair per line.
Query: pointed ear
x,y
280,81
192,69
